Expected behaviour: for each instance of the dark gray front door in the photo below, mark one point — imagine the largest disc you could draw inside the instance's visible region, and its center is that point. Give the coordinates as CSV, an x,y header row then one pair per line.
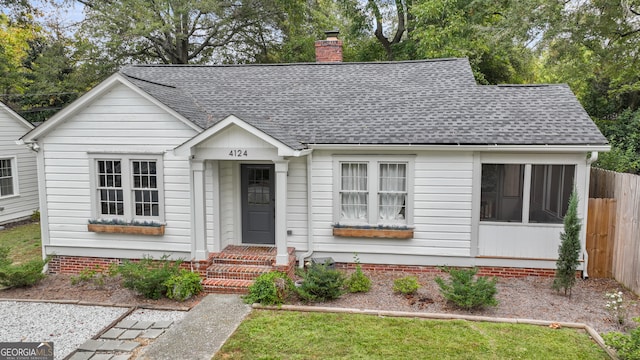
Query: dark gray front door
x,y
258,204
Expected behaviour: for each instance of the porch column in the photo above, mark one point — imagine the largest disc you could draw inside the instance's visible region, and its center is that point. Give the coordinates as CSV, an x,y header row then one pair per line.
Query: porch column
x,y
199,236
281,167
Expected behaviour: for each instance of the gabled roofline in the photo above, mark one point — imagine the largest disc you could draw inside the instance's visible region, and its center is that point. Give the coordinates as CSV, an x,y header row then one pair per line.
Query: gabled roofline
x,y
459,147
283,149
89,97
16,116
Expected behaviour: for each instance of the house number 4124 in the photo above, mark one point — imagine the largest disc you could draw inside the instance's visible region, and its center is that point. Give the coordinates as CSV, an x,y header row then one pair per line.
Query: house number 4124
x,y
238,153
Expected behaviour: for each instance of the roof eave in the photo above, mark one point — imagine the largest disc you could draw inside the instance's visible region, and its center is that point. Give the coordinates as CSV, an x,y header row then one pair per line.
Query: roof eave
x,y
16,116
90,96
474,147
284,150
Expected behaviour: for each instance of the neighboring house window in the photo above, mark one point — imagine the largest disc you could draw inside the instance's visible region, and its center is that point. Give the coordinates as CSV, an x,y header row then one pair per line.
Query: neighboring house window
x,y
374,192
129,187
7,178
502,192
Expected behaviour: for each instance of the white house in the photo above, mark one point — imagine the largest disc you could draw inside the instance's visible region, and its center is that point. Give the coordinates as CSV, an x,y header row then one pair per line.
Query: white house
x,y
18,177
404,163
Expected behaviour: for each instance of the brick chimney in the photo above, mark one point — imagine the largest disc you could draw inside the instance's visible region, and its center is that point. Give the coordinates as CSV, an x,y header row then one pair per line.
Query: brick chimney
x,y
329,50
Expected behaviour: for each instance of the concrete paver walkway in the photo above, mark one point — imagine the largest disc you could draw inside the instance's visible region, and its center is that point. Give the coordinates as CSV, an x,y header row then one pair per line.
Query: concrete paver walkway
x,y
203,330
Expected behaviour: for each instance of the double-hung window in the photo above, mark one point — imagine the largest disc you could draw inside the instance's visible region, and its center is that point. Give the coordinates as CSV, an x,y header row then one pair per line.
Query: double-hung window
x,y
503,195
128,188
7,177
373,192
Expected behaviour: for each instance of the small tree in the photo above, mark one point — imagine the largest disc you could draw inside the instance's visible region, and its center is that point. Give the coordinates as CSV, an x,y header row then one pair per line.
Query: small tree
x,y
569,249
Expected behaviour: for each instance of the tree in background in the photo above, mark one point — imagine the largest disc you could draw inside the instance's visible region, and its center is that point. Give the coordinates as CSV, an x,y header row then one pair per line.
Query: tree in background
x,y
179,31
569,249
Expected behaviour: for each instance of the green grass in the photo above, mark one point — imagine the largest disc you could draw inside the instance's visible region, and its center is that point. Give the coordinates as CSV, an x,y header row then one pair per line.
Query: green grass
x,y
24,241
296,335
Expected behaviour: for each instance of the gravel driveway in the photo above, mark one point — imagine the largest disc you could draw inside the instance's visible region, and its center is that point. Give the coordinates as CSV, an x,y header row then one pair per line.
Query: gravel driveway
x,y
67,325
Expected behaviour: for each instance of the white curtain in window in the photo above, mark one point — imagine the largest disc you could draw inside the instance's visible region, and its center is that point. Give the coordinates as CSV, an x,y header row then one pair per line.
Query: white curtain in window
x,y
354,191
393,191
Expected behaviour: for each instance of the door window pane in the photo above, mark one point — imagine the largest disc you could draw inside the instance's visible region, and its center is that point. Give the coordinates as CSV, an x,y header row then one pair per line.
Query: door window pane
x,y
259,186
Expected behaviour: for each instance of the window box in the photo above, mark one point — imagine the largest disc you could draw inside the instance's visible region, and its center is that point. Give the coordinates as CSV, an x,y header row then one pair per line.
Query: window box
x,y
126,229
373,233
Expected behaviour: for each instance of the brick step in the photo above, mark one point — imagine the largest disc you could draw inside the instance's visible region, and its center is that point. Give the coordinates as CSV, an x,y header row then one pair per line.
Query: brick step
x,y
226,286
225,258
233,271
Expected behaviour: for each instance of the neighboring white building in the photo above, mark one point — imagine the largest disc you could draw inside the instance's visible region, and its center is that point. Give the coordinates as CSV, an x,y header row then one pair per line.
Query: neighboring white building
x,y
18,176
445,171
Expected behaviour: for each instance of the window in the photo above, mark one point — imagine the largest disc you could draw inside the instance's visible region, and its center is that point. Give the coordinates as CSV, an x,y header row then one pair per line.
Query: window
x,y
353,193
551,187
373,192
128,188
145,188
503,197
7,178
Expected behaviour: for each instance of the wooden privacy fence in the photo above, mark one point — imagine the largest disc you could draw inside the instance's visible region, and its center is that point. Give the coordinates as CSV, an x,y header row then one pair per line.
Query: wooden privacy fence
x,y
625,189
600,237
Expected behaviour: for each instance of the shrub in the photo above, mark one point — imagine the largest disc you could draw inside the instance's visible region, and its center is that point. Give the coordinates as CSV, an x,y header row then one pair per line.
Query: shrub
x,y
35,215
626,345
358,281
319,283
272,288
569,249
148,276
95,275
20,275
465,292
183,285
406,285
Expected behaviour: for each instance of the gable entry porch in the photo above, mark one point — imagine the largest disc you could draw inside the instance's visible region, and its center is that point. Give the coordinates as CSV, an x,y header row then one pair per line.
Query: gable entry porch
x,y
239,204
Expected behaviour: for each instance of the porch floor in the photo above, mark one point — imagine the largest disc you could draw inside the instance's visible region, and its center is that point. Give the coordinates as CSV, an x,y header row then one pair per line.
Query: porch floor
x,y
235,268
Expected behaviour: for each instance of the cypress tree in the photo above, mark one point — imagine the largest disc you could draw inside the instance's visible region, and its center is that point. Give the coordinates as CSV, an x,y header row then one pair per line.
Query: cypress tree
x,y
569,249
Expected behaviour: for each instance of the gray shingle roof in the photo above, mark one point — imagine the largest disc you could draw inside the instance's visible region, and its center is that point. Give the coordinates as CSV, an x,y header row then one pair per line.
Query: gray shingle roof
x,y
415,102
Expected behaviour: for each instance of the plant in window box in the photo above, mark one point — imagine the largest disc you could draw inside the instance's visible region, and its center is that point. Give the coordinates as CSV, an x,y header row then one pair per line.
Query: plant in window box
x,y
369,231
118,226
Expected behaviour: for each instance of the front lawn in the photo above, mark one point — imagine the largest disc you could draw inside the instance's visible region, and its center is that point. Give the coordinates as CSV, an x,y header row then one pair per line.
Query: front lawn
x,y
24,241
298,335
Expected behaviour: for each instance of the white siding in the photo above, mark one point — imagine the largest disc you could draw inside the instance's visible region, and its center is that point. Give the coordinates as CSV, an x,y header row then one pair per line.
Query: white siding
x,y
446,232
297,204
120,121
26,199
228,200
442,209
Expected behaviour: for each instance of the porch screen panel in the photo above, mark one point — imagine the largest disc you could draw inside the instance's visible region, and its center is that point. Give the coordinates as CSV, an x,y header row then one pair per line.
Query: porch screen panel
x,y
502,192
145,188
110,187
6,178
551,187
353,192
392,194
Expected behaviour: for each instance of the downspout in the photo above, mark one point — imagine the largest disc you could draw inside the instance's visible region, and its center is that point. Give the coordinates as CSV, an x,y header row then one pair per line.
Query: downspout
x,y
309,251
593,158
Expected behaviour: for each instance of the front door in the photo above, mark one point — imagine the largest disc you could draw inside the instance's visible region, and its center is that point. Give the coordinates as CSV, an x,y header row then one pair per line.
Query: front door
x,y
258,204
